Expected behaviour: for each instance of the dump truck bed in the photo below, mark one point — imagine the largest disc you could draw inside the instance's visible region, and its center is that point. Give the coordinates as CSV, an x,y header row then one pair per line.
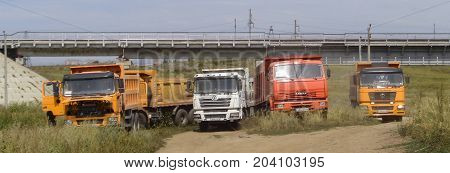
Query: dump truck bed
x,y
155,92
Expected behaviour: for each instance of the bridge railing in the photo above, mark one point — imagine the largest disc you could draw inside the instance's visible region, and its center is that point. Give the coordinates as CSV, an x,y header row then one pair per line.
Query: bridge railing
x,y
200,36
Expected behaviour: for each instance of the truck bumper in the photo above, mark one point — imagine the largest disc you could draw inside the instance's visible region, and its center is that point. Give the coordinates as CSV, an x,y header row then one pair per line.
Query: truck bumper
x,y
300,106
210,115
112,119
380,110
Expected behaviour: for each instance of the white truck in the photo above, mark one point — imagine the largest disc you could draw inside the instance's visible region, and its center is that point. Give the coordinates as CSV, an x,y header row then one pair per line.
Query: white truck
x,y
222,96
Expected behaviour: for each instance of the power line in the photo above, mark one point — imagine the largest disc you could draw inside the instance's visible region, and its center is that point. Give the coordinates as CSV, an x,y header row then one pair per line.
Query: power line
x,y
44,15
412,13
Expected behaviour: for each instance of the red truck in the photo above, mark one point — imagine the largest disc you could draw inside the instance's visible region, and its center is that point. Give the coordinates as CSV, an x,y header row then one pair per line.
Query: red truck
x,y
292,83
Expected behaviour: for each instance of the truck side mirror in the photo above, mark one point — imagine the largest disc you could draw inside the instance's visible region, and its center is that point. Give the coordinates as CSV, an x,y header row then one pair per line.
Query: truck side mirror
x,y
407,78
121,85
328,73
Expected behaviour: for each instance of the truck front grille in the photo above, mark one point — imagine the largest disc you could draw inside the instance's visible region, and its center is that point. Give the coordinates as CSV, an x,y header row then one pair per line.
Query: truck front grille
x,y
387,108
216,116
382,96
221,102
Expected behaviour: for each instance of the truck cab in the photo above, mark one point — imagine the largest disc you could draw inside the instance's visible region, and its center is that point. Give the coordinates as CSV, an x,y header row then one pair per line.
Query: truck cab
x,y
92,97
379,88
221,96
292,83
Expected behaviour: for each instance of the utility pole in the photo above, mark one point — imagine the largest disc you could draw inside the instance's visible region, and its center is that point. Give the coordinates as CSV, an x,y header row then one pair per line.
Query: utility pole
x,y
271,30
295,28
235,26
360,53
5,51
434,31
369,35
250,21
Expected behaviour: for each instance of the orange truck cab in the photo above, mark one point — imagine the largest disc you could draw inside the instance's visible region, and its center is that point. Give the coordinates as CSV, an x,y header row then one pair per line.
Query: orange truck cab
x,y
292,83
379,88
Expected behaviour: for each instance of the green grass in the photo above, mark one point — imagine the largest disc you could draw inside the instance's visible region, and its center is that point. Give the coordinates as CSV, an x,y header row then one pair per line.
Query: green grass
x,y
51,72
23,129
428,104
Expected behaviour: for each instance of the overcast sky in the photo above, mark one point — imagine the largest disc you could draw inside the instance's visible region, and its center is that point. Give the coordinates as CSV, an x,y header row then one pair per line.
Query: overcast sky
x,y
328,16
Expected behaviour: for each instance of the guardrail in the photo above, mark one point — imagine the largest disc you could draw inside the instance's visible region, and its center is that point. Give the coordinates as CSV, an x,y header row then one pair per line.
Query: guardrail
x,y
402,60
220,36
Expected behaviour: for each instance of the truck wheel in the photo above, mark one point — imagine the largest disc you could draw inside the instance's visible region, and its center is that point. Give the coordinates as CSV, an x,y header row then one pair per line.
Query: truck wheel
x,y
190,117
354,104
139,121
235,125
181,118
51,119
128,121
398,119
203,126
324,114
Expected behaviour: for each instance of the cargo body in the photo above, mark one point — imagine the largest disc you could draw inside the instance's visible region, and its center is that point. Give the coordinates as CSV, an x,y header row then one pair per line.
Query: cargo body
x,y
222,96
379,88
291,83
109,95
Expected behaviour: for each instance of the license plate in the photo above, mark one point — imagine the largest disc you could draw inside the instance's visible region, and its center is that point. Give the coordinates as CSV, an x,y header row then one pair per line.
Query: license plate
x,y
383,111
301,109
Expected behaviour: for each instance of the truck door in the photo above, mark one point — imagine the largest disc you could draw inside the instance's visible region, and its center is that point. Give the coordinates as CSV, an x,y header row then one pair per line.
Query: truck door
x,y
51,100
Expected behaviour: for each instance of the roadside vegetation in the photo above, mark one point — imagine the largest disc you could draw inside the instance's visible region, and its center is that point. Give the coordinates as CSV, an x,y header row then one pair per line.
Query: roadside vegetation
x,y
23,129
429,107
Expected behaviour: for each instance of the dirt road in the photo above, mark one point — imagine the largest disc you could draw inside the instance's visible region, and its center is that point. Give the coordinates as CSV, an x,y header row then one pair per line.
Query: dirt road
x,y
353,139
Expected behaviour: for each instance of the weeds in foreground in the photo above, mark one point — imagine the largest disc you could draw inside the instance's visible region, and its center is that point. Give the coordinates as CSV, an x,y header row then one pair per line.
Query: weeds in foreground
x,y
23,129
279,123
429,128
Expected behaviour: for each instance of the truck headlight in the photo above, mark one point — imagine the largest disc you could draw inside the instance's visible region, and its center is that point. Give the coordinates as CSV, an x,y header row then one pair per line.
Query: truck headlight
x,y
401,107
280,106
112,121
68,122
322,103
234,115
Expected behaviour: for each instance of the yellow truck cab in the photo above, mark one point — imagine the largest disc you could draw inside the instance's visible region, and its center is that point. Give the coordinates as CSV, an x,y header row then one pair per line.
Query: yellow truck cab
x,y
108,95
379,87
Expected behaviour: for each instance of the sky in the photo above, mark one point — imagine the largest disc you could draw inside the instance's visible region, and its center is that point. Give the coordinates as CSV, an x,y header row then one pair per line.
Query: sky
x,y
313,16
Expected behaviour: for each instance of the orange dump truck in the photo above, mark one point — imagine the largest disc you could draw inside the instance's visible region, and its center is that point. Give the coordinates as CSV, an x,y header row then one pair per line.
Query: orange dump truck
x,y
379,87
106,95
292,83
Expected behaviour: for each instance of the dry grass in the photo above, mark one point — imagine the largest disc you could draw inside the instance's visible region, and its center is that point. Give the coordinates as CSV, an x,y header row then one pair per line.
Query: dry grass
x,y
23,128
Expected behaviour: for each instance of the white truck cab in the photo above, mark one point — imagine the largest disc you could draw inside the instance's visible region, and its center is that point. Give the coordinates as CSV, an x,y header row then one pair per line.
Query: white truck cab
x,y
221,96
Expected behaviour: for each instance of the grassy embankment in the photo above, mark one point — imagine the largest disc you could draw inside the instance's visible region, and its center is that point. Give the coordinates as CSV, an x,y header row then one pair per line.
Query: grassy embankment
x,y
429,105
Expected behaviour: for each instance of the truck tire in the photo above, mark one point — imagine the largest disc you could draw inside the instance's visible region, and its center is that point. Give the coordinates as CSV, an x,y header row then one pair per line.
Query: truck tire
x,y
324,114
128,120
181,117
190,117
203,126
139,121
235,125
51,119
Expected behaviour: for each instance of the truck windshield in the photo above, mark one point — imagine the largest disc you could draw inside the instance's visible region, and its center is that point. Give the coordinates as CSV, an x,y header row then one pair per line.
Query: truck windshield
x,y
295,71
216,85
382,79
97,86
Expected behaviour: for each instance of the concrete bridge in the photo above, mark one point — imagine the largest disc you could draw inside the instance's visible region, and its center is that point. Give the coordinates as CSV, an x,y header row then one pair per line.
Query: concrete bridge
x,y
410,48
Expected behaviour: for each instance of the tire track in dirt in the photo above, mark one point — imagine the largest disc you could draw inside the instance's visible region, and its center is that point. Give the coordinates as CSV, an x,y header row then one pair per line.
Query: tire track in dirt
x,y
351,139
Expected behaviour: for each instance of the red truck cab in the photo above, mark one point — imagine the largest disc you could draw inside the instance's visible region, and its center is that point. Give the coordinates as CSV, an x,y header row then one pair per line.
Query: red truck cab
x,y
292,83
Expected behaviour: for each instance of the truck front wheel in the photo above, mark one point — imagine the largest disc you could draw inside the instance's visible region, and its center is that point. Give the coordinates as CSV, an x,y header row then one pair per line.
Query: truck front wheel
x,y
51,119
181,118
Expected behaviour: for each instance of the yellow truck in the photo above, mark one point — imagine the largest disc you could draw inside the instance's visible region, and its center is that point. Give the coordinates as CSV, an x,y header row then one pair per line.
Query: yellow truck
x,y
379,88
108,95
